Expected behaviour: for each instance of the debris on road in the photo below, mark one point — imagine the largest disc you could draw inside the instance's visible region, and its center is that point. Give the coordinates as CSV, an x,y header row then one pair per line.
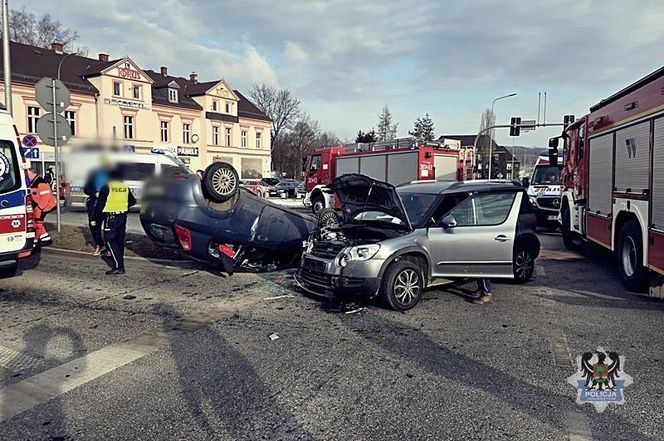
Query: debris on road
x,y
129,297
274,336
356,310
285,296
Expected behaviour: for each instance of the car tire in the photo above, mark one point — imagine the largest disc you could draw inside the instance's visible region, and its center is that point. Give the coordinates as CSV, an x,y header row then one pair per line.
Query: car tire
x,y
571,240
523,264
402,285
8,271
630,257
317,203
327,217
220,182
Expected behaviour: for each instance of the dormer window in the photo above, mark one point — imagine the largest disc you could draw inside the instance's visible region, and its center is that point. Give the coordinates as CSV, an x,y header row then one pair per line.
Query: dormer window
x,y
172,95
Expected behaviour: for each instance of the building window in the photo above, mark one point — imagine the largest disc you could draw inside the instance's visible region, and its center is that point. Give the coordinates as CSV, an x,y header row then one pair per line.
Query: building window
x,y
186,130
243,138
215,135
215,105
33,116
258,140
229,136
117,88
163,129
70,116
128,127
137,92
228,107
172,95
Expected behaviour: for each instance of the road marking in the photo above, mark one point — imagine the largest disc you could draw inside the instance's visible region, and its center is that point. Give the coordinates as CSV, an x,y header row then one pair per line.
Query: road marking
x,y
24,395
18,361
540,270
578,427
559,348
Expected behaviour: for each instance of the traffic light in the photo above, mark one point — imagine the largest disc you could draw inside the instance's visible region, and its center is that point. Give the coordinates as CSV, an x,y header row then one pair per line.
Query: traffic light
x,y
568,119
515,129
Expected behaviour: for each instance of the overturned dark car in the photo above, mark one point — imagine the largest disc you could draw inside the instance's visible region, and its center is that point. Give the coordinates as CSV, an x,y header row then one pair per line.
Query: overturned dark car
x,y
215,220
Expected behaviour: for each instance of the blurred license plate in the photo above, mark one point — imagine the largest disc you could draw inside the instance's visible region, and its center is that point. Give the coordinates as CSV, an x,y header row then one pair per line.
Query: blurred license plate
x,y
552,217
163,234
313,264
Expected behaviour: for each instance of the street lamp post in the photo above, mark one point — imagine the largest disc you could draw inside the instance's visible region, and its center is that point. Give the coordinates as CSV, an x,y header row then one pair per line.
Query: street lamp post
x,y
491,134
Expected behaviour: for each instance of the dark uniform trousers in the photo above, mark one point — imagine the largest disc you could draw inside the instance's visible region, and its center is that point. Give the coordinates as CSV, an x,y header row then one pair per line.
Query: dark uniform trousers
x,y
115,227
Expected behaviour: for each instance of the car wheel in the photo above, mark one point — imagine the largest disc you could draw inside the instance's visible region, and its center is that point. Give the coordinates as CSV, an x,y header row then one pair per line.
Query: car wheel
x,y
317,203
571,240
327,217
8,271
220,182
402,285
630,257
523,264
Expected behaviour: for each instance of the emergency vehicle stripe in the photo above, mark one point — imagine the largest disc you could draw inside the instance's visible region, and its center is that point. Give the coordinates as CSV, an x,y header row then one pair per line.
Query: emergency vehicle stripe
x,y
13,199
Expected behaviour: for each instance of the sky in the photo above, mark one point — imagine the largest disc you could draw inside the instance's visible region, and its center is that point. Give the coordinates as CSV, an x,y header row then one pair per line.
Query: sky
x,y
346,59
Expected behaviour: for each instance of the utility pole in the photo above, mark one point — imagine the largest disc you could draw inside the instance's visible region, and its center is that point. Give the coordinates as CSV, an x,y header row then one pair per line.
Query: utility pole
x,y
6,59
491,134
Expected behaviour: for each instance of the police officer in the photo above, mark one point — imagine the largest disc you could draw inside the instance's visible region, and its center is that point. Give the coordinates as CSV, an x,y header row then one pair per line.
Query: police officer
x,y
112,205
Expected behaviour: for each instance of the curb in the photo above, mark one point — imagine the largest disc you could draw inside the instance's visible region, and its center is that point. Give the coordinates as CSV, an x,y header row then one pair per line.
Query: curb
x,y
136,258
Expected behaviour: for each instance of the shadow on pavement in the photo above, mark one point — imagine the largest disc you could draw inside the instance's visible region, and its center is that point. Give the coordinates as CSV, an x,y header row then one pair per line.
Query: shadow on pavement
x,y
35,341
415,346
222,391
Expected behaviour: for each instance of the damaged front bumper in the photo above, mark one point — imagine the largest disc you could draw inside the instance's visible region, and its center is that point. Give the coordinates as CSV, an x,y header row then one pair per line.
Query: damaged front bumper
x,y
325,277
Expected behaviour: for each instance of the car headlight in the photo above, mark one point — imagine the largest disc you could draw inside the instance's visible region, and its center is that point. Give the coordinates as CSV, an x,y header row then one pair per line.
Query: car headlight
x,y
533,200
362,252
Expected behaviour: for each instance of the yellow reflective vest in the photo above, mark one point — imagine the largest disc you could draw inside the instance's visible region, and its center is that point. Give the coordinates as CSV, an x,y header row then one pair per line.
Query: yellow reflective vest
x,y
118,197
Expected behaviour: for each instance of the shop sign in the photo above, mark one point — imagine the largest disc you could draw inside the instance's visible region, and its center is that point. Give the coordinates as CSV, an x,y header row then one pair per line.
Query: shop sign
x,y
187,151
126,103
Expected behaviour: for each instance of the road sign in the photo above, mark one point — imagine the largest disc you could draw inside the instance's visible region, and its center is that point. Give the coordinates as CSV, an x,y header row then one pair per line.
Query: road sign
x,y
30,153
30,141
528,124
44,94
45,129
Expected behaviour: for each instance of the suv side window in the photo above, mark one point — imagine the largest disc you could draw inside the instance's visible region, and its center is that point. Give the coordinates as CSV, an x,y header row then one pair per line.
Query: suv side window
x,y
483,209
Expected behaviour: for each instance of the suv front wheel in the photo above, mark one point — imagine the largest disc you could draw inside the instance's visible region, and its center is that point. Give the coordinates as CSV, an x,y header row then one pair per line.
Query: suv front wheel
x,y
402,285
523,264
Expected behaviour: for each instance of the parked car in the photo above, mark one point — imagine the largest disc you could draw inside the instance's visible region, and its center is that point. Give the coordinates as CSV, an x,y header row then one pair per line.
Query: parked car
x,y
394,242
256,186
285,188
300,190
217,221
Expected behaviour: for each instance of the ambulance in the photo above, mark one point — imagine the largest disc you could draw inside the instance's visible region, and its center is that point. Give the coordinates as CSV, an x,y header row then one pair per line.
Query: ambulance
x,y
17,232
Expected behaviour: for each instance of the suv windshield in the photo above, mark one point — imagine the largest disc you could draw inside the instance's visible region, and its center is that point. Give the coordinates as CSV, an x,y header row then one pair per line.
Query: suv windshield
x,y
416,206
546,175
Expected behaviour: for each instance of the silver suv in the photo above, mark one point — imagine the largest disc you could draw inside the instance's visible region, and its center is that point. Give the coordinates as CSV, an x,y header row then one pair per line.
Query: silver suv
x,y
394,242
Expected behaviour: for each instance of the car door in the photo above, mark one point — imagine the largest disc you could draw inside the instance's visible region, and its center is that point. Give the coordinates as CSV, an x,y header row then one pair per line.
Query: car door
x,y
481,243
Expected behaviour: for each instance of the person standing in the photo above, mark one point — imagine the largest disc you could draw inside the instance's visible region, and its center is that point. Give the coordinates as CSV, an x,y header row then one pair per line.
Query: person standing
x,y
112,205
96,180
43,202
484,290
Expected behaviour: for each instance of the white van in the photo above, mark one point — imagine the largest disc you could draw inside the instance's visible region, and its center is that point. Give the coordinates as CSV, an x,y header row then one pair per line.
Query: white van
x,y
135,169
17,232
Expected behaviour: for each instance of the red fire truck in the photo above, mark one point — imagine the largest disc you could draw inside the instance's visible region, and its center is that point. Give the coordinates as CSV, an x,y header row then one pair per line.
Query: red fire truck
x,y
397,162
613,180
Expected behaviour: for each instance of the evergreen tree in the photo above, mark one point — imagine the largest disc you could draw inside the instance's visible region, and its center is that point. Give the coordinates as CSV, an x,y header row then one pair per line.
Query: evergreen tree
x,y
387,130
423,128
366,137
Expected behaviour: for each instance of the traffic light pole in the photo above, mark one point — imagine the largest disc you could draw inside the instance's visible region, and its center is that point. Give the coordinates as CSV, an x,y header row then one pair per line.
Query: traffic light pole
x,y
507,126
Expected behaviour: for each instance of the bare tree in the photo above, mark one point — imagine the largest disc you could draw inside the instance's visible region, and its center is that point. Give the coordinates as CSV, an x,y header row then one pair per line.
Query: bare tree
x,y
25,27
488,119
279,105
295,145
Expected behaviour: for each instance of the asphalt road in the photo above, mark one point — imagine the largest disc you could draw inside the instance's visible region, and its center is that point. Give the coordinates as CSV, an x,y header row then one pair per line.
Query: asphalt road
x,y
182,353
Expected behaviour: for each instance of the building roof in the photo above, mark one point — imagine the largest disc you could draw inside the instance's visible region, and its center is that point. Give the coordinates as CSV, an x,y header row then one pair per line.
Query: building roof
x,y
30,64
247,109
160,90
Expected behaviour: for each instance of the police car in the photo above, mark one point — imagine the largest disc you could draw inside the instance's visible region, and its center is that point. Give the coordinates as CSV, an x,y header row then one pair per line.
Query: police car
x,y
17,232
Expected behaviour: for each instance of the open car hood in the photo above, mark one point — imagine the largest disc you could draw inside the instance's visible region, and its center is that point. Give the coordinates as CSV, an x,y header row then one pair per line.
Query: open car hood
x,y
361,194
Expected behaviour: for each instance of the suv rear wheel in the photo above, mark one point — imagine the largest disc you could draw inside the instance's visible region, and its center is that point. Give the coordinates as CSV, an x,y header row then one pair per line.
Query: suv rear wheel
x,y
523,264
220,182
402,285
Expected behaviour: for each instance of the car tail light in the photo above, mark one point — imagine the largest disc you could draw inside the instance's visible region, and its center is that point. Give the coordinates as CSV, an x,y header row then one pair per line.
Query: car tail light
x,y
24,254
29,215
184,237
226,250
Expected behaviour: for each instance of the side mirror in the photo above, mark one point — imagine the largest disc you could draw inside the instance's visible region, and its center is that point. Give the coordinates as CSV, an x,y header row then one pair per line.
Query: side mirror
x,y
525,182
448,221
553,155
553,142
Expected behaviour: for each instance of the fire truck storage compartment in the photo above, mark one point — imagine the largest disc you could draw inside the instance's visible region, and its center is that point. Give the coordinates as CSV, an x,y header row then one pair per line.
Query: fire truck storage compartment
x,y
600,200
403,167
373,166
348,165
632,158
658,176
446,167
